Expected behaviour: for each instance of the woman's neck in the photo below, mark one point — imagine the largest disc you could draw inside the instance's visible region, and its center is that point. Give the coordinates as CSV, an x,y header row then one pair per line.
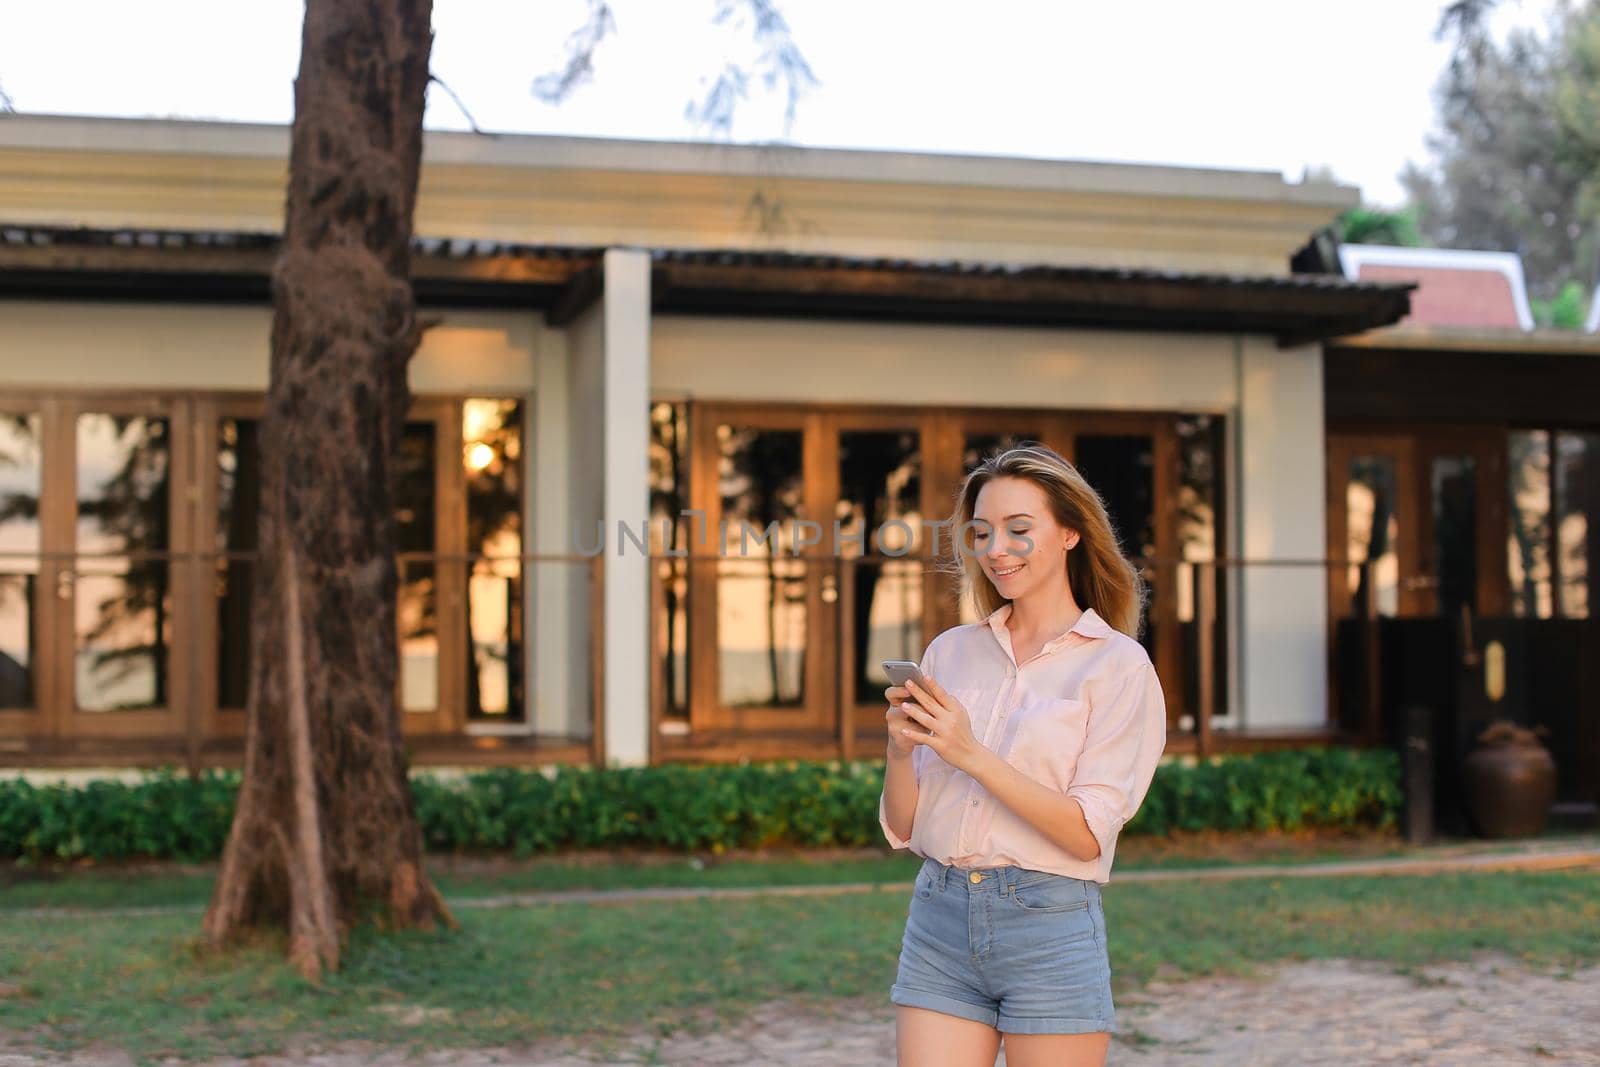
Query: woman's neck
x,y
1042,615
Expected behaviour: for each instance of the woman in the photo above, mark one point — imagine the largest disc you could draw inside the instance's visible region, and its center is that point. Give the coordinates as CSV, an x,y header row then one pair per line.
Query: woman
x,y
1012,773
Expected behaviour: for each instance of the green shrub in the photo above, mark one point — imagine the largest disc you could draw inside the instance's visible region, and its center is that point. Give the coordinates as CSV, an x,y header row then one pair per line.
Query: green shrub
x,y
681,807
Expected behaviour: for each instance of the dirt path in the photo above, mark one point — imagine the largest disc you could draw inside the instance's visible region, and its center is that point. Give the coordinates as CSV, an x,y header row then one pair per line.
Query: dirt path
x,y
1493,1010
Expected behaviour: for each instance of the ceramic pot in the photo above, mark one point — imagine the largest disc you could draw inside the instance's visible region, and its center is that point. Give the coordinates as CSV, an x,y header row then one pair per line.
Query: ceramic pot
x,y
1510,782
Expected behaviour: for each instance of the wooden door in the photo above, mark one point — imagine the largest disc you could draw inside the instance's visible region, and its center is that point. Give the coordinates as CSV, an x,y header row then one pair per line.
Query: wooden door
x,y
1374,518
1461,503
30,519
763,585
876,471
123,642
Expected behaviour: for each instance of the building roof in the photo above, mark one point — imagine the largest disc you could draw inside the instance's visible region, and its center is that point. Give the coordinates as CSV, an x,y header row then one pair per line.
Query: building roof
x,y
1455,287
578,191
562,281
243,140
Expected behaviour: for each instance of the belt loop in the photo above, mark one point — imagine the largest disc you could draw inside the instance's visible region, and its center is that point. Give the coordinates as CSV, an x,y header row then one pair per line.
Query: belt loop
x,y
944,875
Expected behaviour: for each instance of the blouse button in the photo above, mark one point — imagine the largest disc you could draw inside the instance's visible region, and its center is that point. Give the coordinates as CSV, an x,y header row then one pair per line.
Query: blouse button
x,y
974,801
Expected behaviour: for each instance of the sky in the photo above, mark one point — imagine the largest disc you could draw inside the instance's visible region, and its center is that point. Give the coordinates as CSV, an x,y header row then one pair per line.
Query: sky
x,y
1275,85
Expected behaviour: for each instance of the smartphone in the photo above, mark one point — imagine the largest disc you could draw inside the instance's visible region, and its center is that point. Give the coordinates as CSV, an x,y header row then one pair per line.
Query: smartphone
x,y
902,670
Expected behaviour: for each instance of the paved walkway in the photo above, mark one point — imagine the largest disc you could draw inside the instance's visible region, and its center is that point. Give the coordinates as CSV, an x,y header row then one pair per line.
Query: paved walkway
x,y
1492,1010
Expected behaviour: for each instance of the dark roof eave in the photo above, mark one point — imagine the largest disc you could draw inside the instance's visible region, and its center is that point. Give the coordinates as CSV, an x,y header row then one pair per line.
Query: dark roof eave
x,y
182,265
1290,310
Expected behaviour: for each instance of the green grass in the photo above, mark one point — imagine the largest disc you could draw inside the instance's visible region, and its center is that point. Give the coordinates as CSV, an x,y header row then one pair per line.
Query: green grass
x,y
110,888
115,886
514,974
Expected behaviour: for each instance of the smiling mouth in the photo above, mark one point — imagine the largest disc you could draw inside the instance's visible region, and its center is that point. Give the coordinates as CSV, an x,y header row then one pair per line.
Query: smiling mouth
x,y
1007,571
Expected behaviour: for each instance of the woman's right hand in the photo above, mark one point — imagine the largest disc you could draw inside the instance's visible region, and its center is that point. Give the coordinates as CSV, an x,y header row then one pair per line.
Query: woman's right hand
x,y
899,743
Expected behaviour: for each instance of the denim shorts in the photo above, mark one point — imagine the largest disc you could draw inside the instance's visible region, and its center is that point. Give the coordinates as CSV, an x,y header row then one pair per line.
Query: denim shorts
x,y
1020,950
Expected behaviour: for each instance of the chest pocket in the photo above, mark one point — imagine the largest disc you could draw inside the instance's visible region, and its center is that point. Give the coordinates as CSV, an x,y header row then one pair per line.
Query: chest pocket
x,y
1048,735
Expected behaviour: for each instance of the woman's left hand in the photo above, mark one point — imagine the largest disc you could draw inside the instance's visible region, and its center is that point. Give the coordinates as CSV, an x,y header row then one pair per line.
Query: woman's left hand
x,y
947,725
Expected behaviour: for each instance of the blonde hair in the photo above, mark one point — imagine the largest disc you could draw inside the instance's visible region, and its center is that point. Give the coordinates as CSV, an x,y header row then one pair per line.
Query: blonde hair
x,y
1101,577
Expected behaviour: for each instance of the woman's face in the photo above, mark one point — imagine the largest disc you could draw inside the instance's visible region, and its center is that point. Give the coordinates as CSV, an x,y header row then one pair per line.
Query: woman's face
x,y
1017,513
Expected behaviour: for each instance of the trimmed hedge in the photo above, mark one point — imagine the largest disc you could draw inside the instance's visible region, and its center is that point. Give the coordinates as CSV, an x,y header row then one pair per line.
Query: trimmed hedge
x,y
682,807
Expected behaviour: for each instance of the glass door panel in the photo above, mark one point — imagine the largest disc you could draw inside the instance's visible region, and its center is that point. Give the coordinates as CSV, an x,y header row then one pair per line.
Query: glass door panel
x,y
121,669
121,589
1453,507
492,467
757,615
878,512
238,506
1372,535
761,582
1375,526
419,602
1121,468
21,542
1577,524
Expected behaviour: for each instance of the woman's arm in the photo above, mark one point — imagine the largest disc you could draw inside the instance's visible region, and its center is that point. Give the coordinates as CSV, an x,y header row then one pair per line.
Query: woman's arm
x,y
1126,735
897,807
899,802
1055,815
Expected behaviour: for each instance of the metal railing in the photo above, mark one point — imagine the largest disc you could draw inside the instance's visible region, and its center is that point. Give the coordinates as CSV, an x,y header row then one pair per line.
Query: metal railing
x,y
171,614
1194,634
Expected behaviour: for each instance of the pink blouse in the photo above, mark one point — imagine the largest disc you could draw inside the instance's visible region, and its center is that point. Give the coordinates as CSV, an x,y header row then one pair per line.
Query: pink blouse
x,y
1085,716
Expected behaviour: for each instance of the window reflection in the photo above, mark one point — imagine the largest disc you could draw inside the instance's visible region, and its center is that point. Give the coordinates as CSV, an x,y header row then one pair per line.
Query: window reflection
x,y
238,520
1528,545
671,531
20,479
1372,530
122,604
1454,492
761,586
492,458
1577,523
414,477
1199,535
879,516
1121,468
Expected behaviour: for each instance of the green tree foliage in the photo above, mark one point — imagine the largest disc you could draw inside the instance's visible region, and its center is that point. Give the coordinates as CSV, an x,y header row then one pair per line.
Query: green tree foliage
x,y
1516,162
1365,225
1565,311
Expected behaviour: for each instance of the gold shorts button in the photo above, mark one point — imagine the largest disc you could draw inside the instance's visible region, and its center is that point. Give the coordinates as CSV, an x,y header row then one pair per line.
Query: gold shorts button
x,y
975,877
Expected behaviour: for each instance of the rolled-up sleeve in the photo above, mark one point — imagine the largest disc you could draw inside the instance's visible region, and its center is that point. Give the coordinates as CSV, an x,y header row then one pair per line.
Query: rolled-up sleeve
x,y
1126,735
926,666
894,839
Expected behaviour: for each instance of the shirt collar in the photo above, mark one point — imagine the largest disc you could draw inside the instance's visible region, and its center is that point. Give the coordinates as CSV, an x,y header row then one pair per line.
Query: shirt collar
x,y
1089,624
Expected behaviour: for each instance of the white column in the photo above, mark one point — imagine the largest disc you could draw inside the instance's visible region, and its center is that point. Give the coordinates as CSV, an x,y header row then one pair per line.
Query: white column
x,y
625,416
1282,624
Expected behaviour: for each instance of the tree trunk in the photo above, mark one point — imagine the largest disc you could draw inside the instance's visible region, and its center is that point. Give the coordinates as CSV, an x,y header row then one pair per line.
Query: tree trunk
x,y
325,831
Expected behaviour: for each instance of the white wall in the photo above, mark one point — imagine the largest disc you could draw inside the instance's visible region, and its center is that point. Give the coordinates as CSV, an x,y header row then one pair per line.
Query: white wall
x,y
1281,610
772,359
91,345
